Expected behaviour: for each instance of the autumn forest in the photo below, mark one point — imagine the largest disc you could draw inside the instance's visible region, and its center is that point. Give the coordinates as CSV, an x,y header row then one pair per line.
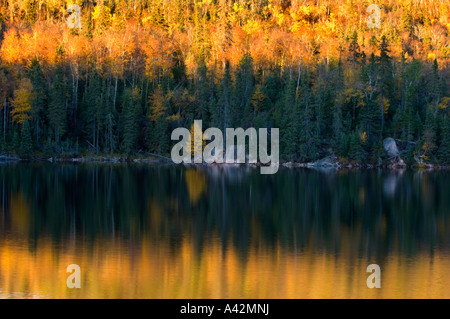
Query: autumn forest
x,y
137,69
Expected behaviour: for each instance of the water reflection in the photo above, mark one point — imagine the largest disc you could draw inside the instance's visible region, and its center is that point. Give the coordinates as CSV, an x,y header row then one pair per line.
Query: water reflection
x,y
168,232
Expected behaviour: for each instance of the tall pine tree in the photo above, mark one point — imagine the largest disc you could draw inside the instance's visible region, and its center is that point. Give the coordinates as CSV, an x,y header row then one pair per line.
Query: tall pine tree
x,y
26,142
57,108
40,97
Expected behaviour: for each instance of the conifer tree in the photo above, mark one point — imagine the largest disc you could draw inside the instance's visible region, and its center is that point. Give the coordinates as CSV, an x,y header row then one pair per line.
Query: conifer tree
x,y
244,87
223,115
444,148
429,135
40,96
131,113
57,109
354,49
202,94
48,148
290,123
26,143
15,143
356,150
159,126
93,110
308,137
386,79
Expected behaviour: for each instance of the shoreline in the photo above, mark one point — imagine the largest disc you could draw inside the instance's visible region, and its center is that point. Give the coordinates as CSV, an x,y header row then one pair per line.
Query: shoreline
x,y
165,160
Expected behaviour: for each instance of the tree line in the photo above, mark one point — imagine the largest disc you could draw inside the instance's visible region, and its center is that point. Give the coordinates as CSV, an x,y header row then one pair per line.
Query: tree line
x,y
138,69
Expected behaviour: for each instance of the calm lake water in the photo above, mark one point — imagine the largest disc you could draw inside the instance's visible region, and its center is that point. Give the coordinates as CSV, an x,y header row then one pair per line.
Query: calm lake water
x,y
140,231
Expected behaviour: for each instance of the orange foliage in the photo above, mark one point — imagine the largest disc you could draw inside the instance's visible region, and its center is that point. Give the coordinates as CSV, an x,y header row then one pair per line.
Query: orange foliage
x,y
277,33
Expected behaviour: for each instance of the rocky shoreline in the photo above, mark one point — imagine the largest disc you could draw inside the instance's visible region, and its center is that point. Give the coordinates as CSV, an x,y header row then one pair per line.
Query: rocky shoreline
x,y
394,161
355,165
330,162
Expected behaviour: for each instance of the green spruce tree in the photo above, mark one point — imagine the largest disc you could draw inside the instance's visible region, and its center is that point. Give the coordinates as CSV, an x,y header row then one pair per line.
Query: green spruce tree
x,y
131,115
39,102
26,142
444,148
242,114
57,109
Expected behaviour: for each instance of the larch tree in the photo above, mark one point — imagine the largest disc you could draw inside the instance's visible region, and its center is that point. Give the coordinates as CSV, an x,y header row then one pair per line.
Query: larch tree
x,y
21,103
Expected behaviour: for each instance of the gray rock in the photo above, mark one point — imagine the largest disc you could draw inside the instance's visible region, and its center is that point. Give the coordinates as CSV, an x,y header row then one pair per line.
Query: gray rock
x,y
8,158
330,161
390,147
288,164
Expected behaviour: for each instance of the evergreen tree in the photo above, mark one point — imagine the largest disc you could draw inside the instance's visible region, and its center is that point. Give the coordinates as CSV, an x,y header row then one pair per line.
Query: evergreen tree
x,y
308,139
48,148
407,110
354,49
434,86
444,148
162,136
26,143
39,102
131,113
15,143
202,94
223,115
93,110
344,146
272,88
159,126
369,123
244,87
386,80
337,126
290,123
429,135
57,109
110,136
356,150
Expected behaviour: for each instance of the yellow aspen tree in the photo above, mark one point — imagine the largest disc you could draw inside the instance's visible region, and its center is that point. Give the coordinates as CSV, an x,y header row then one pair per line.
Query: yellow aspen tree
x,y
22,101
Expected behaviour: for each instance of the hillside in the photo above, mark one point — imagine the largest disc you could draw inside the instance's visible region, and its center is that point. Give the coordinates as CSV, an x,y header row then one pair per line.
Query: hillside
x,y
136,70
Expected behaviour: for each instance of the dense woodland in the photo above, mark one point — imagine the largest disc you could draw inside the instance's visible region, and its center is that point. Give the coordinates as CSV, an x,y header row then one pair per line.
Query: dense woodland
x,y
137,69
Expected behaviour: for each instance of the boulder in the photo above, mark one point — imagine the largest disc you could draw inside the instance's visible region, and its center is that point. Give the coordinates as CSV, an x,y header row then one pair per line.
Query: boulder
x,y
330,161
288,164
8,158
390,147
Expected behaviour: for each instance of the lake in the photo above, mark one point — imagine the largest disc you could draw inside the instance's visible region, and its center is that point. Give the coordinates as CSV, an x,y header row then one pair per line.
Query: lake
x,y
156,231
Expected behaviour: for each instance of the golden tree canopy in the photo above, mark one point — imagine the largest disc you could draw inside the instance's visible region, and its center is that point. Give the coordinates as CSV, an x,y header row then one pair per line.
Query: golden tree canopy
x,y
23,97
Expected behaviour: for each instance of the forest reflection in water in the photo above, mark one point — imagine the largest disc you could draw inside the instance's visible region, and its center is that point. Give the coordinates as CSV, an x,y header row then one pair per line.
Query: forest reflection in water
x,y
140,231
